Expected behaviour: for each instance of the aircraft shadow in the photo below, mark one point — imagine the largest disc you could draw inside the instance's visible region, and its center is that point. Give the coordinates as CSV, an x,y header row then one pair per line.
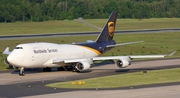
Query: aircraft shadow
x,y
40,70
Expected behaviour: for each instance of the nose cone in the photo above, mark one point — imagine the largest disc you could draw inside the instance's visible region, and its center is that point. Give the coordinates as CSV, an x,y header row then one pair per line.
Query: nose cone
x,y
14,60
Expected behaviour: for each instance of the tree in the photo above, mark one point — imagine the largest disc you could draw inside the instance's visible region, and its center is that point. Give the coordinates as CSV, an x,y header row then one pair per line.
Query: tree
x,y
5,13
44,10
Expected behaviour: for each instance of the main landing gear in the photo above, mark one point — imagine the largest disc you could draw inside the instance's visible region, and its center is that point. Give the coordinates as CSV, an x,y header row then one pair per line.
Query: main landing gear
x,y
21,71
47,69
68,68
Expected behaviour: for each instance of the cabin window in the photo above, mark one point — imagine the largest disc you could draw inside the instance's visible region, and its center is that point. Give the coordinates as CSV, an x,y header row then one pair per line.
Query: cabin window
x,y
19,48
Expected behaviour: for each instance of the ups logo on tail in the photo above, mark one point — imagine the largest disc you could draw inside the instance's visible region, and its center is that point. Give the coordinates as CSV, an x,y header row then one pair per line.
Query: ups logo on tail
x,y
111,28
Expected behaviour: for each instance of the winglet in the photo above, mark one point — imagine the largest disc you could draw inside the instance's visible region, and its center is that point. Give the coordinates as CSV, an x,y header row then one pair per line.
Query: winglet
x,y
6,51
172,53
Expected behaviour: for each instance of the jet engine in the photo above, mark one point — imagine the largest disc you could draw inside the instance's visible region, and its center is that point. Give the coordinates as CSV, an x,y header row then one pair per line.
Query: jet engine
x,y
82,66
122,63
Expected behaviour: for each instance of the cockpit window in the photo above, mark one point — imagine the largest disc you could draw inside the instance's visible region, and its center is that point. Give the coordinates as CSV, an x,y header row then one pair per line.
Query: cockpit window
x,y
19,48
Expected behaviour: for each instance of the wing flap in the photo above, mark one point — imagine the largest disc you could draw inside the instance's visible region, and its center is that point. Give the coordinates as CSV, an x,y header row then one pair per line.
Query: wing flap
x,y
109,58
153,56
73,60
148,56
130,57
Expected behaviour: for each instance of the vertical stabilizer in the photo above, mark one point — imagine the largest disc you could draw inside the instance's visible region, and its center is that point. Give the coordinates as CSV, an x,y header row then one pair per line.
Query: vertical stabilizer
x,y
108,30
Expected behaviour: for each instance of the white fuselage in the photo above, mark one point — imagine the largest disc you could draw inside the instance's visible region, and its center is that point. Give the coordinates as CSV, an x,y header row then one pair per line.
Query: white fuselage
x,y
40,55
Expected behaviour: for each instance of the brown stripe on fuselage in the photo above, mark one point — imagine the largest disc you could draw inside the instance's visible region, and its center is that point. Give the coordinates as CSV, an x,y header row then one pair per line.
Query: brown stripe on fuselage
x,y
94,50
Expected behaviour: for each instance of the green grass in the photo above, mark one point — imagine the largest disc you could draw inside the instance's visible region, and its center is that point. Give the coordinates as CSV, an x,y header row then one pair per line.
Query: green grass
x,y
152,23
154,43
43,27
123,80
75,26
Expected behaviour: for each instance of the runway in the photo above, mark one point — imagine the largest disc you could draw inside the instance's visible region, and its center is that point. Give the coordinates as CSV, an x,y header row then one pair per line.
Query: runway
x,y
4,37
32,84
157,92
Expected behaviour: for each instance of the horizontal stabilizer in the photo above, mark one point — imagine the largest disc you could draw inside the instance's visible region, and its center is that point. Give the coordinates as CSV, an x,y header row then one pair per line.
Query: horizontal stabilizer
x,y
124,44
90,41
6,51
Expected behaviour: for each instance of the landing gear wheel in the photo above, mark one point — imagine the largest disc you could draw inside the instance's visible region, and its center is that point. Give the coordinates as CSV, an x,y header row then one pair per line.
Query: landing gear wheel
x,y
21,72
47,69
60,69
74,70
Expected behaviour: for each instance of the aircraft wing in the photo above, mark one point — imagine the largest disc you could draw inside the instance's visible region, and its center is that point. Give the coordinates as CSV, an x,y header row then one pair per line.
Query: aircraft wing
x,y
6,51
74,60
133,56
130,57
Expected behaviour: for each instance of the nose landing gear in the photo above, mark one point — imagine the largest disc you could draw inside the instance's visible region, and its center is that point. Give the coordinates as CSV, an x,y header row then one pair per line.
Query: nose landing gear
x,y
21,71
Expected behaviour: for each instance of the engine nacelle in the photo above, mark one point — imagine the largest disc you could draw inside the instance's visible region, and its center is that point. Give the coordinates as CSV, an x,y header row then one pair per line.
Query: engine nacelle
x,y
122,63
82,66
8,64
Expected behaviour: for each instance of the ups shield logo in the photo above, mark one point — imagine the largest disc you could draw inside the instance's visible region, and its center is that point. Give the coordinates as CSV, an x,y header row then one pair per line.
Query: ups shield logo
x,y
111,28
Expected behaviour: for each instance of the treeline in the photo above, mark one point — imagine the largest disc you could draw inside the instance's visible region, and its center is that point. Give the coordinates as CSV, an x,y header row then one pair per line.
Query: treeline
x,y
43,10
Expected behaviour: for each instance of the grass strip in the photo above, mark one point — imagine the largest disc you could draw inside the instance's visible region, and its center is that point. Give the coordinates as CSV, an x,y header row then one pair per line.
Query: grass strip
x,y
123,80
75,26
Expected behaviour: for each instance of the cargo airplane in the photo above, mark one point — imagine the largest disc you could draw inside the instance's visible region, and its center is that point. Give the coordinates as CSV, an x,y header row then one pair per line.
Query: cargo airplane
x,y
76,57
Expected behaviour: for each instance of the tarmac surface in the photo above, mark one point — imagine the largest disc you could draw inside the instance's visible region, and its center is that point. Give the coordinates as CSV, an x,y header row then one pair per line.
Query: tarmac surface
x,y
32,84
8,37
